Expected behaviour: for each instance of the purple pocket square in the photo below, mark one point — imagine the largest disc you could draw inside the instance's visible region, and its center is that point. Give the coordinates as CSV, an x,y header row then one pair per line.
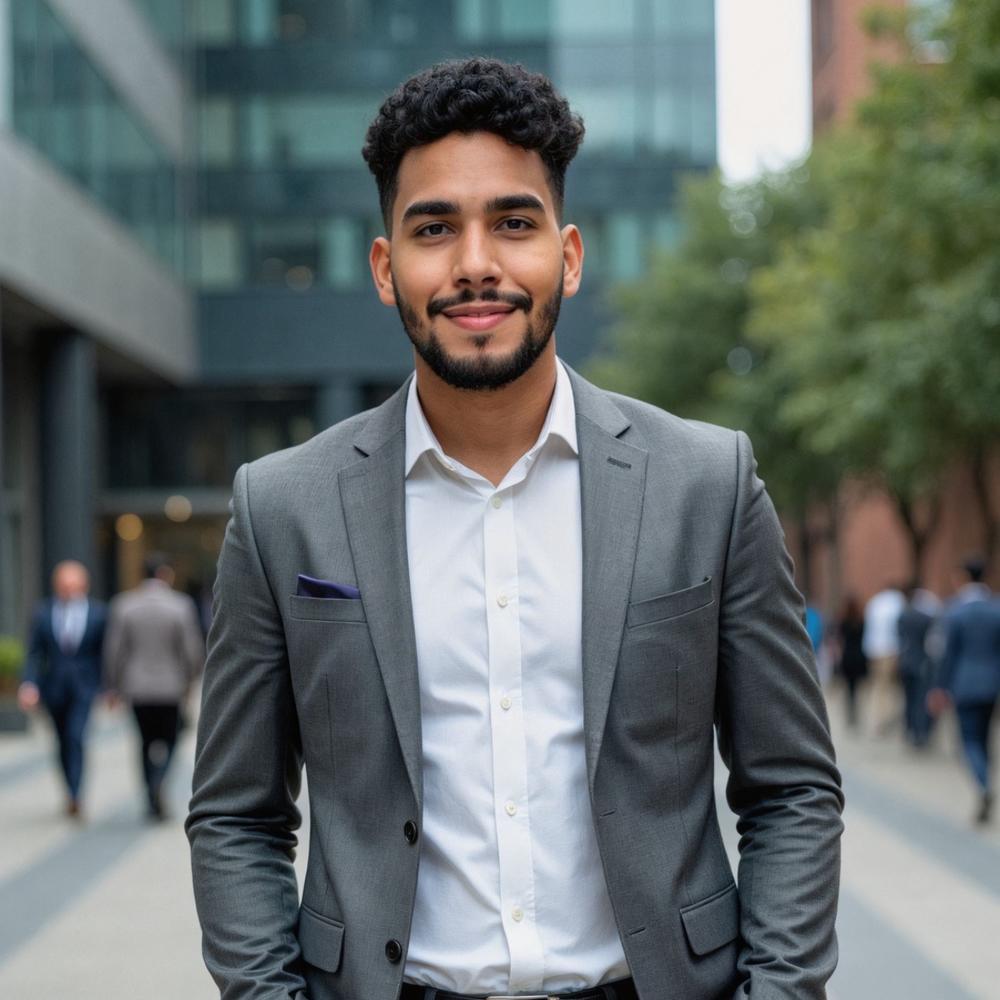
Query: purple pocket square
x,y
310,586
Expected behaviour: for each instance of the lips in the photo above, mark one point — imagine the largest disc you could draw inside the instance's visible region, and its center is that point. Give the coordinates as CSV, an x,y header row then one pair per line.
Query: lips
x,y
479,317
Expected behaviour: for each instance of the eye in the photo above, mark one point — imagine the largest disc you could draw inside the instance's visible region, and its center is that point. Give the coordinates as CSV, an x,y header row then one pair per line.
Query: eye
x,y
516,225
432,229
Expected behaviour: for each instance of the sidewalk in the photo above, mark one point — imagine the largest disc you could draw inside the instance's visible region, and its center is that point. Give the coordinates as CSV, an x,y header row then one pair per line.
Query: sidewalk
x,y
104,911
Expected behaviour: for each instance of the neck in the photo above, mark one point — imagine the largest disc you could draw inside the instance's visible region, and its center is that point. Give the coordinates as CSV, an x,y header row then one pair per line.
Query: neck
x,y
489,430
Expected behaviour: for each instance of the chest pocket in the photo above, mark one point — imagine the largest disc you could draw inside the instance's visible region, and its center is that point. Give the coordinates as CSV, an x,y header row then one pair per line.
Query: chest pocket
x,y
326,609
673,605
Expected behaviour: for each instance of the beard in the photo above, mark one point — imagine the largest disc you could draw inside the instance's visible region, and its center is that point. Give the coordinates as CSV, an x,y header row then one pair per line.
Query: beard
x,y
481,372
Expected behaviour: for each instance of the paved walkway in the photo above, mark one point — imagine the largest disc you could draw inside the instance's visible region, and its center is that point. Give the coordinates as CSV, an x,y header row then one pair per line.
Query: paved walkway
x,y
105,910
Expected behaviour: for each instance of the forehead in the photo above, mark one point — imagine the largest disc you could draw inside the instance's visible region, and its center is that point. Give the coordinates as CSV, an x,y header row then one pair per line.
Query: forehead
x,y
470,169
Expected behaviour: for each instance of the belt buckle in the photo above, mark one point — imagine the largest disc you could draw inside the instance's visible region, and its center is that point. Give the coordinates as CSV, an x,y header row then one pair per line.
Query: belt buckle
x,y
522,996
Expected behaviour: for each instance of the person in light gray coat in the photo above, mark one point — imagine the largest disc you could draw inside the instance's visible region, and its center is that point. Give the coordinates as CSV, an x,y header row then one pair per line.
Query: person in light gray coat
x,y
500,620
153,653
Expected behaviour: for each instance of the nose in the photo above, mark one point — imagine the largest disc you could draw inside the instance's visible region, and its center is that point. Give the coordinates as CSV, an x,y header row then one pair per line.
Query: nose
x,y
476,264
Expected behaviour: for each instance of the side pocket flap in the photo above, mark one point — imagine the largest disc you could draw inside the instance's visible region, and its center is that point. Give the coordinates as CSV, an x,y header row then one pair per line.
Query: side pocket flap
x,y
713,922
321,939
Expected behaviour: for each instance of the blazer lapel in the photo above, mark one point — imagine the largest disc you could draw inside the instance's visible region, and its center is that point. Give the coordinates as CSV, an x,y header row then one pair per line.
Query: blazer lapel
x,y
372,493
612,483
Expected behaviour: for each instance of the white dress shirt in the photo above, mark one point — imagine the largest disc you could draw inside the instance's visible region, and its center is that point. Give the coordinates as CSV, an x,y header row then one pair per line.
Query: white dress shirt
x,y
69,622
510,892
881,634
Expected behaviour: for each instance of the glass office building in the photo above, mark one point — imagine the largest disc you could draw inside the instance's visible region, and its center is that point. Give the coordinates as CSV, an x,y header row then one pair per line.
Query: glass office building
x,y
184,226
94,156
287,209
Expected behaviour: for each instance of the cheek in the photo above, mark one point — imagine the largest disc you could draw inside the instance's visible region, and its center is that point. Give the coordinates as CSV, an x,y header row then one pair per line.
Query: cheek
x,y
537,271
419,279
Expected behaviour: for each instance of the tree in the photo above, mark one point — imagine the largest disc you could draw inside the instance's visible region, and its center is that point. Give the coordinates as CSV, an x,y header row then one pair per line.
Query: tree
x,y
682,343
889,317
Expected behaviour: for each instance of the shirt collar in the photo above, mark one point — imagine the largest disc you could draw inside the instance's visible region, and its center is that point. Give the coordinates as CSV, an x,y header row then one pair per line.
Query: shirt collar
x,y
560,421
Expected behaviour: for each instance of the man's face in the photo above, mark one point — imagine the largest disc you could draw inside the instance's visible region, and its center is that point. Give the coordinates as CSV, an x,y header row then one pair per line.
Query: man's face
x,y
477,264
70,580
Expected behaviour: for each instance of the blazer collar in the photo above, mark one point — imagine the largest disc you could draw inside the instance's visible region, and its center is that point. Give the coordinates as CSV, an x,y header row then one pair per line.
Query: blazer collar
x,y
592,405
612,485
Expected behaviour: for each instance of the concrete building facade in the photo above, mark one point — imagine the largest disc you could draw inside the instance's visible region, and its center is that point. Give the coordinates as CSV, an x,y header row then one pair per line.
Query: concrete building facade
x,y
93,147
184,225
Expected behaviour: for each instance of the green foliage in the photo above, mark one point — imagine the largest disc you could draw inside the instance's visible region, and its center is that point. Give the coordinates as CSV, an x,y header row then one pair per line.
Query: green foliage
x,y
847,312
11,656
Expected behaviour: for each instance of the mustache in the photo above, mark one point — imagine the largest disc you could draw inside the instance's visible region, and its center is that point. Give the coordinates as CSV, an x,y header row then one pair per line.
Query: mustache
x,y
522,302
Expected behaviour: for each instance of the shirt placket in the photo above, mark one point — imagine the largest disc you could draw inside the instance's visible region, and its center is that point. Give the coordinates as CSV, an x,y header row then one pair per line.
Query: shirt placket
x,y
509,747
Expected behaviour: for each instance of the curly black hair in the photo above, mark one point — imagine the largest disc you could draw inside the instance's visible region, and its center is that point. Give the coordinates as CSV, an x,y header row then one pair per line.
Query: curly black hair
x,y
472,95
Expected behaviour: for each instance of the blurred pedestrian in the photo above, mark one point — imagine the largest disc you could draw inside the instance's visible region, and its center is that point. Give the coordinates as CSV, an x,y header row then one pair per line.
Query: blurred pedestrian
x,y
153,653
969,676
63,667
915,666
880,643
852,664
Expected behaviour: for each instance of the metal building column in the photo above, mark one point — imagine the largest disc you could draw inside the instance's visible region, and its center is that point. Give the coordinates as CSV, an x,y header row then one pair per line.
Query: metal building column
x,y
69,451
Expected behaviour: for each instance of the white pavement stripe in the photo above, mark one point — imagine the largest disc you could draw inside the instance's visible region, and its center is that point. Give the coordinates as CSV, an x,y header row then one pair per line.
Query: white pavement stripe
x,y
943,915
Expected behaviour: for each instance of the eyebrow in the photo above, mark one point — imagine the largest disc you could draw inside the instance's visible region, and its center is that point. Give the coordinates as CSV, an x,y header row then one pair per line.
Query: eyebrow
x,y
430,208
504,203
514,202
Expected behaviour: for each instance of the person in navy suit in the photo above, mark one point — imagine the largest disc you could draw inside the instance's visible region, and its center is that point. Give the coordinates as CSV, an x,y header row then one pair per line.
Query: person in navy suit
x,y
970,674
63,667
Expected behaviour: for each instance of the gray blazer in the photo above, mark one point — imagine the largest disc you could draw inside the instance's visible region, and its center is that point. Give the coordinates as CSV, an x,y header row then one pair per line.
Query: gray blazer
x,y
691,622
153,648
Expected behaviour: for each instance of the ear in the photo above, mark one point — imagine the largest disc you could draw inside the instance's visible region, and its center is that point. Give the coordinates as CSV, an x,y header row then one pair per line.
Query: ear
x,y
380,260
572,243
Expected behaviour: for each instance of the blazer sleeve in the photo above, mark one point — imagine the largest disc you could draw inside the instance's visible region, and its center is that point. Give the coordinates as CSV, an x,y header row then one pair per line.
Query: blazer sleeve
x,y
113,651
952,652
35,661
192,641
247,776
774,737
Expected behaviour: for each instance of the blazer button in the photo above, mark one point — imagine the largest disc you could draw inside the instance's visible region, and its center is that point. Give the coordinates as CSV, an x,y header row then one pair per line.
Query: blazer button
x,y
410,831
393,950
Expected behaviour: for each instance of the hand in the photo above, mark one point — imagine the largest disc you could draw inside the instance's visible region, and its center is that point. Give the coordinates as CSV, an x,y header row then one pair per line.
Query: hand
x,y
28,696
937,701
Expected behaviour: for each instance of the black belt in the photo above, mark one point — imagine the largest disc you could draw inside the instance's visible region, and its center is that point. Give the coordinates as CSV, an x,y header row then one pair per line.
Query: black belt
x,y
623,989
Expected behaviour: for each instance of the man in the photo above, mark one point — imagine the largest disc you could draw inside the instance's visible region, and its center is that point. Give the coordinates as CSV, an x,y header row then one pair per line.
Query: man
x,y
497,618
913,627
63,668
969,675
153,653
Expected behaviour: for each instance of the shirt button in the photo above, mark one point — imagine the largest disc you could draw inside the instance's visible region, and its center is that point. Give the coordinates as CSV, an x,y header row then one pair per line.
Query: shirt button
x,y
393,950
517,913
505,703
510,808
502,600
410,831
497,502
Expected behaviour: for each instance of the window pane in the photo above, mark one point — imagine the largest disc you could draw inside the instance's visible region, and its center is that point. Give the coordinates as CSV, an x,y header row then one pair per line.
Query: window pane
x,y
609,114
307,131
625,246
216,132
218,254
594,19
343,253
212,21
524,19
674,17
470,19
